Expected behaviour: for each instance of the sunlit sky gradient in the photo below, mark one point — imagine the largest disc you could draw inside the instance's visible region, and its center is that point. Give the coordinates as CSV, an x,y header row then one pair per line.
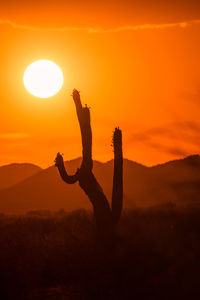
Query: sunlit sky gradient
x,y
137,65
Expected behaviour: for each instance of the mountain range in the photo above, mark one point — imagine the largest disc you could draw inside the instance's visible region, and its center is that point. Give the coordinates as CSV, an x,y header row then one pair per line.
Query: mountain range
x,y
26,187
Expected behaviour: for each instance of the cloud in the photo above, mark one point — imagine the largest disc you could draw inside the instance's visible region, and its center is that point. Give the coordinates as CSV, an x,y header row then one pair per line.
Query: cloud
x,y
175,150
174,130
191,96
13,135
176,138
101,30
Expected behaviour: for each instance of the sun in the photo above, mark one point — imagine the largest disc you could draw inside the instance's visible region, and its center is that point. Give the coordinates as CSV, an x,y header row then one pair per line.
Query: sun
x,y
43,78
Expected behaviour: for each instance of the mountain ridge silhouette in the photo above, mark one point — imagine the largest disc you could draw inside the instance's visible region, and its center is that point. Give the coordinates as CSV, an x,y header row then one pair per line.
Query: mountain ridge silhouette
x,y
14,173
176,181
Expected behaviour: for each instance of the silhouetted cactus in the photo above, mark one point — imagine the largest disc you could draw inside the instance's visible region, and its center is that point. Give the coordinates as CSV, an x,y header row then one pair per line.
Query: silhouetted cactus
x,y
105,217
117,193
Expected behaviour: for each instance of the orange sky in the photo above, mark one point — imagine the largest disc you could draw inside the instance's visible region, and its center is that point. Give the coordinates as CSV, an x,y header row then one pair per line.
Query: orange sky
x,y
137,66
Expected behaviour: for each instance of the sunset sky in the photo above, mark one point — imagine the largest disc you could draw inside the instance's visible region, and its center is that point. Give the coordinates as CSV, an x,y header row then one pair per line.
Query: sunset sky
x,y
136,64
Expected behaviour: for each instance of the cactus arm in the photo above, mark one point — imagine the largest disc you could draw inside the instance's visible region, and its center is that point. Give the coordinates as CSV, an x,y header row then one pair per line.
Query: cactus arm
x,y
70,179
117,192
63,173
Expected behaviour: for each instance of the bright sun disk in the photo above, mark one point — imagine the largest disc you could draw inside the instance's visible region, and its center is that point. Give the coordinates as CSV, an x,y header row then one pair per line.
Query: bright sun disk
x,y
43,78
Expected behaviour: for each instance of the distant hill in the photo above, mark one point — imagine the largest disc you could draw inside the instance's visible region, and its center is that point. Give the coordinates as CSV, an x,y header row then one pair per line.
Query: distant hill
x,y
14,173
175,182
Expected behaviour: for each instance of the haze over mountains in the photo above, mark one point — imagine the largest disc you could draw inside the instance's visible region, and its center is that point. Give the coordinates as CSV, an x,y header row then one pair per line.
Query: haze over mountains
x,y
25,187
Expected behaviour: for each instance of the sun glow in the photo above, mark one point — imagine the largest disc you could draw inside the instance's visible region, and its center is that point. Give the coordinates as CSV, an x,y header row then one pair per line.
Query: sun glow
x,y
43,78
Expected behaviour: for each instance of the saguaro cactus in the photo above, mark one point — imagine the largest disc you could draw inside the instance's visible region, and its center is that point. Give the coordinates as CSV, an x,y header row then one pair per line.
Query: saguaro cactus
x,y
105,216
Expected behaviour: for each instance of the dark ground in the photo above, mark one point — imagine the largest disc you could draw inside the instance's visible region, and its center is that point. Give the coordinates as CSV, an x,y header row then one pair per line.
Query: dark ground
x,y
47,255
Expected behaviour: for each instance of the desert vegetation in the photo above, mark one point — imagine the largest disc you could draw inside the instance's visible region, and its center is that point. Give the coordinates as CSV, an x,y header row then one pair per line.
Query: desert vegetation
x,y
46,255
